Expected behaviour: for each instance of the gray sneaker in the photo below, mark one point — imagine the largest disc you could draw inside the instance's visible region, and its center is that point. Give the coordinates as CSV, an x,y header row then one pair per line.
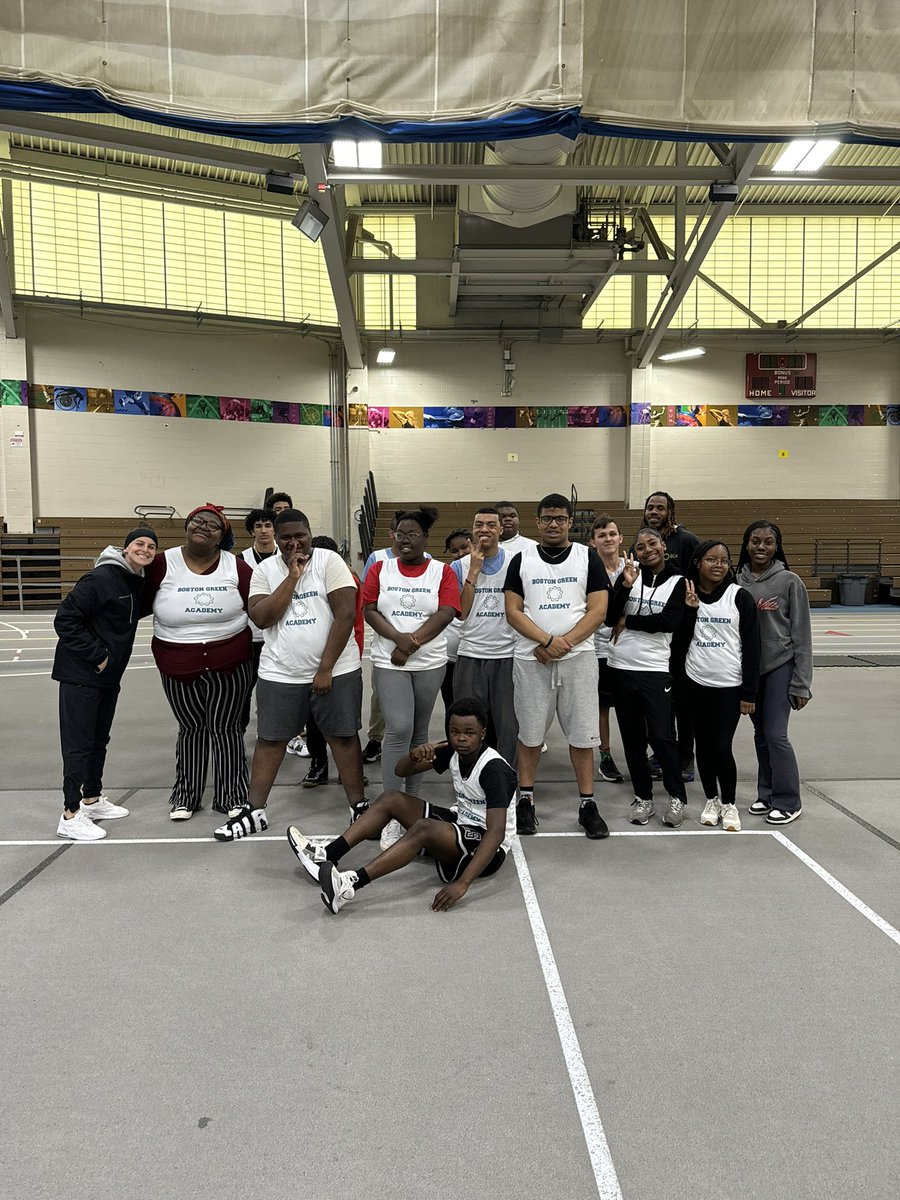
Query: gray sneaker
x,y
674,813
641,811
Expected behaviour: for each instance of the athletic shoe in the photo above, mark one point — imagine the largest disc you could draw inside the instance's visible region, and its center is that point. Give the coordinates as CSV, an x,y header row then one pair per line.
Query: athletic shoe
x,y
310,854
80,828
712,811
759,808
543,748
655,768
391,834
674,814
591,822
237,810
248,820
372,752
731,820
608,770
687,772
777,816
526,817
180,814
641,811
297,746
103,810
357,810
316,776
337,886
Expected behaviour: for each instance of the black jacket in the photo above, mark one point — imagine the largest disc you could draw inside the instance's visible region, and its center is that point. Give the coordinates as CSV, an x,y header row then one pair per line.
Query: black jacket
x,y
97,620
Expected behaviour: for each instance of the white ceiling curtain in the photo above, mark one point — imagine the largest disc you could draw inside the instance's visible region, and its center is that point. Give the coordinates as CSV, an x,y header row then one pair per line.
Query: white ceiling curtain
x,y
303,60
773,68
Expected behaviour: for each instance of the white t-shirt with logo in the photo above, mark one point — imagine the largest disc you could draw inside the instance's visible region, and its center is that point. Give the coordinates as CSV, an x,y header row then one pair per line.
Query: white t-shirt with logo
x,y
294,645
555,595
485,631
192,608
714,655
407,601
604,633
636,649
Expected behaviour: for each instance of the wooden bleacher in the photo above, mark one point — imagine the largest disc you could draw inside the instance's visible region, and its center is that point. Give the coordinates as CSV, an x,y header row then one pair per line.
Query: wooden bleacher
x,y
802,522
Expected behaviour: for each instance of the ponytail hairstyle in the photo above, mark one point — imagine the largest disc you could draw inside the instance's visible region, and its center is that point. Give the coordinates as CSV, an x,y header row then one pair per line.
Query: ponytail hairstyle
x,y
744,557
424,517
702,550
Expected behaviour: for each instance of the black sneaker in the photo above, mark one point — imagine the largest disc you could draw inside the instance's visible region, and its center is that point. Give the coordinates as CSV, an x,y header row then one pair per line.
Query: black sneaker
x,y
655,768
357,810
372,752
526,818
608,770
590,820
317,775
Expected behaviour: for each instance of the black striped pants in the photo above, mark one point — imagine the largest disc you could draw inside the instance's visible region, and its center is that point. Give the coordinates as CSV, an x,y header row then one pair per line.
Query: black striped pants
x,y
209,712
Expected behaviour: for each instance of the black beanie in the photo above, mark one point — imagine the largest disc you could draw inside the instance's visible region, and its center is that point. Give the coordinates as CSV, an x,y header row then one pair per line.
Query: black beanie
x,y
141,531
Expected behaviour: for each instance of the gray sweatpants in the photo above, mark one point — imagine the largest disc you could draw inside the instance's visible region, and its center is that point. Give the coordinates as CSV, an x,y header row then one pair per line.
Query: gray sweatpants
x,y
490,680
778,779
407,701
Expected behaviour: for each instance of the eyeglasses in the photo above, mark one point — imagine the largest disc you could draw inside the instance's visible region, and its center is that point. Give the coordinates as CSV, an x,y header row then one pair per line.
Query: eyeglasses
x,y
717,562
542,520
199,523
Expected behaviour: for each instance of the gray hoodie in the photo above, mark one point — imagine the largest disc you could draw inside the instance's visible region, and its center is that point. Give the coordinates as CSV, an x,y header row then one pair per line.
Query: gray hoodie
x,y
785,633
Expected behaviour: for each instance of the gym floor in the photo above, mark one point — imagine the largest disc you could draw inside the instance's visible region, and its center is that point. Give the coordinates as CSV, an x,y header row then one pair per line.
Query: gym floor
x,y
662,1015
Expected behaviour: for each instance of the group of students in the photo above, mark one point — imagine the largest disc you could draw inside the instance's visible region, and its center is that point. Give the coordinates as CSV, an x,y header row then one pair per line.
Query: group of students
x,y
514,631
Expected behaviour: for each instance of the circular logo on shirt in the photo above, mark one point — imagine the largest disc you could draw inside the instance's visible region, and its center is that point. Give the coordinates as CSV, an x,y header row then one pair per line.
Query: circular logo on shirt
x,y
407,600
299,606
492,601
202,599
555,592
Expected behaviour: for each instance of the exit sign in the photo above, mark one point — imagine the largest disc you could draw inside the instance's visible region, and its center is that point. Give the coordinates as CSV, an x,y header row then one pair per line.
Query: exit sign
x,y
780,377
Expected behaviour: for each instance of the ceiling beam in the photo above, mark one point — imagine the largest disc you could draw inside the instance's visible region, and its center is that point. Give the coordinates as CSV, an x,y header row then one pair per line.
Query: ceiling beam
x,y
332,239
745,159
584,176
469,268
134,141
591,298
7,310
843,287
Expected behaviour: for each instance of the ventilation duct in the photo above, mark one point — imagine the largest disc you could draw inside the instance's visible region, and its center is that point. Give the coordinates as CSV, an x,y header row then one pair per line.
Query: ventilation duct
x,y
521,202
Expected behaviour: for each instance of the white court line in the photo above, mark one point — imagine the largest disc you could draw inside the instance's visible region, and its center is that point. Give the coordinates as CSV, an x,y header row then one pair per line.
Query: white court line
x,y
836,885
16,629
667,833
598,1148
23,674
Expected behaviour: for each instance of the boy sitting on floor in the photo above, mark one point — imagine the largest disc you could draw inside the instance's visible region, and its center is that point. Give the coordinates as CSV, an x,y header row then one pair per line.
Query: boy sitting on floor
x,y
465,841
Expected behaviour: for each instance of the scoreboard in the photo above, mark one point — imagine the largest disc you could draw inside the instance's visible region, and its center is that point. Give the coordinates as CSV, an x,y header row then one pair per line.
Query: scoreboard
x,y
780,377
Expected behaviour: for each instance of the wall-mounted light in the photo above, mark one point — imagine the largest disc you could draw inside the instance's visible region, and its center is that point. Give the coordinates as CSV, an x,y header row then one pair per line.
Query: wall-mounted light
x,y
310,220
356,154
386,356
805,155
685,352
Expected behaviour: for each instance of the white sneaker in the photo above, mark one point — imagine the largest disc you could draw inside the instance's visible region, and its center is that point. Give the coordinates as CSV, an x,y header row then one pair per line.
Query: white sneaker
x,y
236,812
337,886
310,854
297,746
543,748
730,818
103,810
391,834
180,814
712,812
80,828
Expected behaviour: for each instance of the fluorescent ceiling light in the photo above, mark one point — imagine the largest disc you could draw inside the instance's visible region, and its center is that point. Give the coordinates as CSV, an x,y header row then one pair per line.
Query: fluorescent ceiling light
x,y
310,220
686,352
386,356
805,155
356,154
